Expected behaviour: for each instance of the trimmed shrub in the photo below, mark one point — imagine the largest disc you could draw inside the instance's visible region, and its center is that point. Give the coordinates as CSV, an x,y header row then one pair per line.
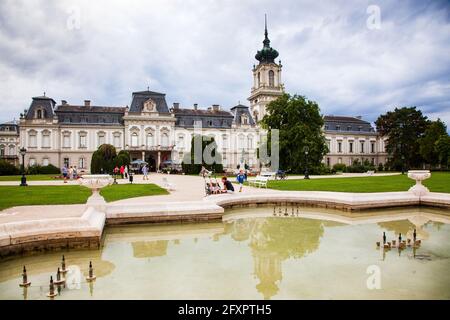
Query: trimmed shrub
x,y
37,169
341,167
7,169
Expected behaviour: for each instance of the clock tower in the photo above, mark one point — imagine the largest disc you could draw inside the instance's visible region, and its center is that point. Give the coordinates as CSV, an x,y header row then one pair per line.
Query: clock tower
x,y
267,85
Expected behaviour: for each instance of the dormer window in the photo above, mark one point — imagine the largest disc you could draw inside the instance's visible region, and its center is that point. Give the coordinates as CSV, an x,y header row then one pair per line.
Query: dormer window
x,y
39,114
338,128
349,128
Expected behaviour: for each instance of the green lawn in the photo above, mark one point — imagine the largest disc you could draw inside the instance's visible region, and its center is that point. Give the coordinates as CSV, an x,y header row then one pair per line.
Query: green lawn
x,y
35,177
11,196
124,191
439,182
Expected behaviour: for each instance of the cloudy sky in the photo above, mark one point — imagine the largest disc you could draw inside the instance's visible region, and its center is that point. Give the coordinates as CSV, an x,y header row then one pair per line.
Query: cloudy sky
x,y
333,52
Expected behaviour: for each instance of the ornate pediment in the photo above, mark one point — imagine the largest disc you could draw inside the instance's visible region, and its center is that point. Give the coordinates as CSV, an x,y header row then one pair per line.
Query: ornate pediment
x,y
149,106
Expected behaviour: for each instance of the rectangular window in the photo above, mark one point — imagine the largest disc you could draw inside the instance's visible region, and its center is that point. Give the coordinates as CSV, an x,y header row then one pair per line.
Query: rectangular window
x,y
117,140
338,128
101,139
66,141
350,147
339,147
45,162
66,162
33,141
81,163
83,141
46,140
362,146
372,147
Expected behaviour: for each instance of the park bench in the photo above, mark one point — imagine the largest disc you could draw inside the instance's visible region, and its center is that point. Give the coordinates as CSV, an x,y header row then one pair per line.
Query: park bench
x,y
370,173
259,182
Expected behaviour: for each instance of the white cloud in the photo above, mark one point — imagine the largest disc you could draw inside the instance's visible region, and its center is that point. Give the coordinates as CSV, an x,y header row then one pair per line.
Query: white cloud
x,y
202,52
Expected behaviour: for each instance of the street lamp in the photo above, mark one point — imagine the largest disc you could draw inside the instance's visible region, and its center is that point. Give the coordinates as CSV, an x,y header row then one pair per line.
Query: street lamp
x,y
23,180
306,151
403,164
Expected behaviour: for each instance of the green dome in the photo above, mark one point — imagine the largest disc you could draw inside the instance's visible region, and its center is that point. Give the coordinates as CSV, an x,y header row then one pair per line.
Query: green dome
x,y
267,54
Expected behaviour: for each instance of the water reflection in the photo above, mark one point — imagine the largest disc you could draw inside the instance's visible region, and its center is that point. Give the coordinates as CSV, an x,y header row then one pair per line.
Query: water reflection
x,y
287,256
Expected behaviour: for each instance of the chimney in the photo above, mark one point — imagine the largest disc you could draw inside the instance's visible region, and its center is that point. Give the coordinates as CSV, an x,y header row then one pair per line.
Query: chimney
x,y
87,103
176,105
215,107
195,106
63,102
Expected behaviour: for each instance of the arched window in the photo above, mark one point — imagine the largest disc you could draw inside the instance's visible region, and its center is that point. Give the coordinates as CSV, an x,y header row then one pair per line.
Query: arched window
x,y
45,162
39,114
165,139
241,141
2,150
150,141
134,139
259,79
45,139
12,150
271,78
250,142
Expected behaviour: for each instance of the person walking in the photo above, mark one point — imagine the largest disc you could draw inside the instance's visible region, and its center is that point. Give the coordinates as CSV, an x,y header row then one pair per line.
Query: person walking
x,y
125,172
74,173
122,170
241,177
70,172
145,172
64,173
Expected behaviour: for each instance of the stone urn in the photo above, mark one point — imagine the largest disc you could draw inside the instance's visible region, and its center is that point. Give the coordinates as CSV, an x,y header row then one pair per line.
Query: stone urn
x,y
419,175
96,182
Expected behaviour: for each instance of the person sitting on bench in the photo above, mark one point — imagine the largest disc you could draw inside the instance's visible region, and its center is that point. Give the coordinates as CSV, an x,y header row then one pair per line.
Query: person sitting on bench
x,y
227,186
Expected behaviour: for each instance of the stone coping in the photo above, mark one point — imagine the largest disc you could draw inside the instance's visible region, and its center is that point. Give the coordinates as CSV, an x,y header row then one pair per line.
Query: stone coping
x,y
89,226
24,234
336,200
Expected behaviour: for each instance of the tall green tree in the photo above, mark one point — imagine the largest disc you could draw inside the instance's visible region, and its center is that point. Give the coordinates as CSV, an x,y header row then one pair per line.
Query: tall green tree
x,y
403,128
104,159
428,151
300,125
189,164
443,149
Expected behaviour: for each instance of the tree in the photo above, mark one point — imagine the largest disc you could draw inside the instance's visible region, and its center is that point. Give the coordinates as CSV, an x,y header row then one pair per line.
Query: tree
x,y
123,158
403,127
443,150
104,159
428,151
189,162
300,125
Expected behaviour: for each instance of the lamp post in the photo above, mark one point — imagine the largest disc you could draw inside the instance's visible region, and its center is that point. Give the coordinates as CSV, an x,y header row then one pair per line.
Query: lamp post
x,y
23,180
306,151
403,164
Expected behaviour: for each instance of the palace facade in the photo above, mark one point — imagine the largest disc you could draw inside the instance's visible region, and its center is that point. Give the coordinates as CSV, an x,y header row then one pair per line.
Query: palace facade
x,y
151,130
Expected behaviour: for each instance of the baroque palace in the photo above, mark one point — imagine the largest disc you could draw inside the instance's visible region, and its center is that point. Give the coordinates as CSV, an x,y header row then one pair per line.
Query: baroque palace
x,y
67,134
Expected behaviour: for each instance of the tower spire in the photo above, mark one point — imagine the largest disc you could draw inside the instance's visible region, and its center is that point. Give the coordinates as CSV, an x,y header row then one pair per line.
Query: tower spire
x,y
265,27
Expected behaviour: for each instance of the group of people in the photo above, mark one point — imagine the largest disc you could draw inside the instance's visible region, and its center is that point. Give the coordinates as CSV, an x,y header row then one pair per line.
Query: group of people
x,y
123,171
69,173
215,188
